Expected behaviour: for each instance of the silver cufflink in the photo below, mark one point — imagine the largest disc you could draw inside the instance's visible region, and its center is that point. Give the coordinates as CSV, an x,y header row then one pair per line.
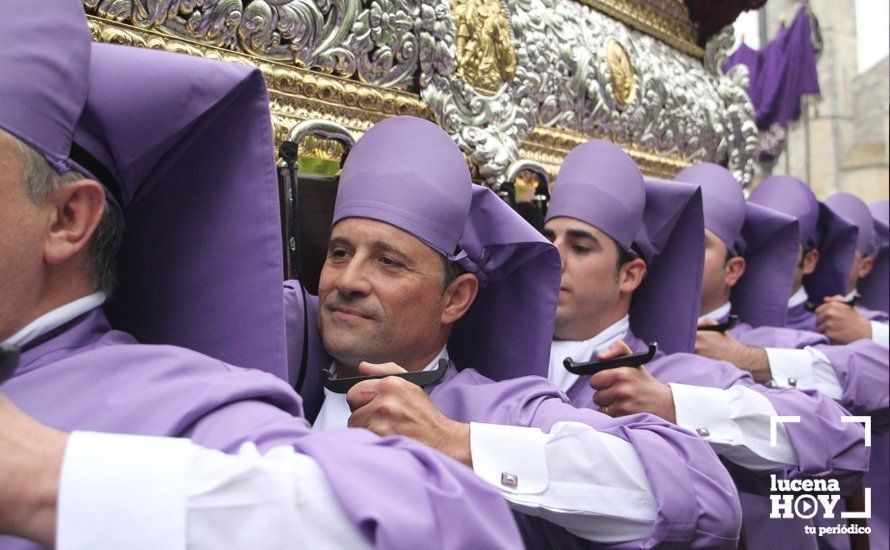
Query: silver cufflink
x,y
702,432
509,480
792,382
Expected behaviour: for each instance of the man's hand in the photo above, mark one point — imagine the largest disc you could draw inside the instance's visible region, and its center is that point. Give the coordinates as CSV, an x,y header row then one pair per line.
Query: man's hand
x,y
723,347
629,390
30,469
394,406
840,322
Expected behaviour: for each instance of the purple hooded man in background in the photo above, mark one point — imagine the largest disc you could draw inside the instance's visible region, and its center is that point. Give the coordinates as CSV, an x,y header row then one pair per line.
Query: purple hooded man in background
x,y
841,323
614,232
750,257
183,150
827,246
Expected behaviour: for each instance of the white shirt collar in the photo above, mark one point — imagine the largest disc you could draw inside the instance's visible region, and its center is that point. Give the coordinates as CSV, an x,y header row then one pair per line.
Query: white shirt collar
x,y
798,298
56,318
581,351
853,294
335,410
718,313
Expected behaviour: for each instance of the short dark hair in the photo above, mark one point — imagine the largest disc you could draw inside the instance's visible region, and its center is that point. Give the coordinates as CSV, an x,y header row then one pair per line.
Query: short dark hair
x,y
623,257
729,255
452,270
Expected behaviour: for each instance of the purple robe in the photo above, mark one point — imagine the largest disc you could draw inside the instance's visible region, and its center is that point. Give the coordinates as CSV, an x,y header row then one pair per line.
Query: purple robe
x,y
844,458
800,318
171,391
698,512
862,371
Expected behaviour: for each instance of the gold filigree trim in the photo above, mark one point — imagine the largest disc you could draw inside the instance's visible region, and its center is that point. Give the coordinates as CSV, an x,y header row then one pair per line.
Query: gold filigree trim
x,y
666,20
298,94
549,146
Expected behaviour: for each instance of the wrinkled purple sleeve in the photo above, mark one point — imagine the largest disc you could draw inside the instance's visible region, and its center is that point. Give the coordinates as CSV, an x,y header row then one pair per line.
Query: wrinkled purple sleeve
x,y
698,503
861,367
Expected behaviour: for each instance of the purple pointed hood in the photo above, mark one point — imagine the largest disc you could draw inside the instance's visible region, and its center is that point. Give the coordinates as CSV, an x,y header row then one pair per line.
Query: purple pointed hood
x,y
722,200
185,144
44,60
765,238
853,210
600,173
819,227
874,291
769,242
672,239
599,184
409,173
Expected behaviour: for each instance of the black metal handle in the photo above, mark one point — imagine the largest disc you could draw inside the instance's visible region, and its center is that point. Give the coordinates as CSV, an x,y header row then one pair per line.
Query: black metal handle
x,y
422,378
593,367
732,321
9,360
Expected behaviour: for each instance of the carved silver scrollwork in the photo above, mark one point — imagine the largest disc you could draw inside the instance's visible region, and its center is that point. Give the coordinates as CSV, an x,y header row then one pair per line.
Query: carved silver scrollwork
x,y
676,105
576,69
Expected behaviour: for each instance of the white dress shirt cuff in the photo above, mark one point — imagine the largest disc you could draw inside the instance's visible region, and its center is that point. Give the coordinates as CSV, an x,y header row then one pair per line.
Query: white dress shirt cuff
x,y
791,368
880,333
588,482
704,411
99,493
509,457
806,369
736,423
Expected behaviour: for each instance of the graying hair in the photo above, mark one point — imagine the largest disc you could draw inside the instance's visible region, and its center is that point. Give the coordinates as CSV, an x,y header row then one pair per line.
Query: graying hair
x,y
452,270
41,179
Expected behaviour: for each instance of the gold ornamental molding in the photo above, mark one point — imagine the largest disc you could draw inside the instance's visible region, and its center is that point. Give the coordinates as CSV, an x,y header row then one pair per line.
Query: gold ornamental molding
x,y
295,94
666,20
298,94
549,146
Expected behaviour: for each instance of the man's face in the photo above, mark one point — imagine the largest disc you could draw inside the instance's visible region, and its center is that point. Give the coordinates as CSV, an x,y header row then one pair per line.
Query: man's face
x,y
713,285
23,226
380,295
588,292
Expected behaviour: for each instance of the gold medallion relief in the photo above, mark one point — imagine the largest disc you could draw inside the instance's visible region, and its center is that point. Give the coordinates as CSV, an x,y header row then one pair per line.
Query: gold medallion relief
x,y
486,58
622,72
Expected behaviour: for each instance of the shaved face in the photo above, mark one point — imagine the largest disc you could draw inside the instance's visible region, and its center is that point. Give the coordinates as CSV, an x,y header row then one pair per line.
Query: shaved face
x,y
23,225
589,299
714,290
381,296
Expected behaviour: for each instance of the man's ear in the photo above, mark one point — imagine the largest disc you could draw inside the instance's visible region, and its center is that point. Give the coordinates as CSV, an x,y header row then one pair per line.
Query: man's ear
x,y
75,212
458,297
868,263
734,270
631,276
810,261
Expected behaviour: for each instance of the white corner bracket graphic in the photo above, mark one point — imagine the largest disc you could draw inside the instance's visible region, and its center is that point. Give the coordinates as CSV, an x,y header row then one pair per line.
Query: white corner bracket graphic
x,y
865,420
774,422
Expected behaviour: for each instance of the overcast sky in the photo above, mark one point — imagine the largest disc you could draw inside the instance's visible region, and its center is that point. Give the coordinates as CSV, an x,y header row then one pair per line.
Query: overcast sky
x,y
872,31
